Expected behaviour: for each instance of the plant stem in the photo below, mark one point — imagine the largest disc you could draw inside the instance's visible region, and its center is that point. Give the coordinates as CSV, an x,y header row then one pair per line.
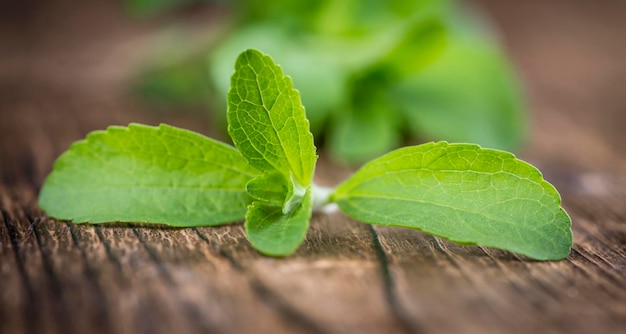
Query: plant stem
x,y
321,197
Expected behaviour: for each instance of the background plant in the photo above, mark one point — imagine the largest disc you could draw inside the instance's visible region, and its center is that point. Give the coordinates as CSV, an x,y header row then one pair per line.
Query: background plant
x,y
373,74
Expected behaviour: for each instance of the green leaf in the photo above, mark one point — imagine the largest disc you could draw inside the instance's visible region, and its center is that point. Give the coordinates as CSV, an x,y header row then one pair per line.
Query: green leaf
x,y
469,94
464,193
266,119
274,233
316,72
422,42
322,45
148,174
357,136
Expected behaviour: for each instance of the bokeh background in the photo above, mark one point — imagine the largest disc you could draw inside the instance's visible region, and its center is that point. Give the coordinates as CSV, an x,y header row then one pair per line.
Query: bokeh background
x,y
70,67
567,54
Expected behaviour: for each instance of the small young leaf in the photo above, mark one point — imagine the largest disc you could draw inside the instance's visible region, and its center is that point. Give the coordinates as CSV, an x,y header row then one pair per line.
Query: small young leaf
x,y
274,233
463,193
272,189
148,174
266,119
269,187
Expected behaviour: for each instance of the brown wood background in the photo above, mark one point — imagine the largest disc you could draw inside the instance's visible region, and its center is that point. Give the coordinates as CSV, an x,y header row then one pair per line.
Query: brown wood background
x,y
64,66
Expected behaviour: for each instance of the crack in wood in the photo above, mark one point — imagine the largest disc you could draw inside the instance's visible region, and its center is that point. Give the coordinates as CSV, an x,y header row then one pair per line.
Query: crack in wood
x,y
111,256
394,305
284,309
154,258
441,247
101,317
609,276
60,310
509,274
191,310
220,251
31,311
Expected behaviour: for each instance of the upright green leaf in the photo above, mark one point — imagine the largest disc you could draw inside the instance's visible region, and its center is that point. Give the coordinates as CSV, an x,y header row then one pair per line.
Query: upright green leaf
x,y
313,66
148,174
266,119
463,193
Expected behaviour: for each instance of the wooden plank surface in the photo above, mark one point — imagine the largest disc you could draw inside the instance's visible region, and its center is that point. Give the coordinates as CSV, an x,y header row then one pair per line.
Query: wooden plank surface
x,y
57,277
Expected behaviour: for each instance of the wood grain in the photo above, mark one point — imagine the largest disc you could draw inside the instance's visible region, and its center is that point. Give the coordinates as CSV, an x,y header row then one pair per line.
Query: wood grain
x,y
56,277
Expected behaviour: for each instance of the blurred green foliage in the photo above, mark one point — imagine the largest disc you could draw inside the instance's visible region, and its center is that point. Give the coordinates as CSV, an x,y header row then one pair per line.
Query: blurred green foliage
x,y
148,8
372,74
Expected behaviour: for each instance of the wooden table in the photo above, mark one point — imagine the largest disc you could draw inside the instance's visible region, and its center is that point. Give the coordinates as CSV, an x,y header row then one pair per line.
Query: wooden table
x,y
348,277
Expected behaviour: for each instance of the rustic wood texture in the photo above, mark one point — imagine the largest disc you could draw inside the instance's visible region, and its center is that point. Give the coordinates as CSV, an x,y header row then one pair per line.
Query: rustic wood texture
x,y
62,76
